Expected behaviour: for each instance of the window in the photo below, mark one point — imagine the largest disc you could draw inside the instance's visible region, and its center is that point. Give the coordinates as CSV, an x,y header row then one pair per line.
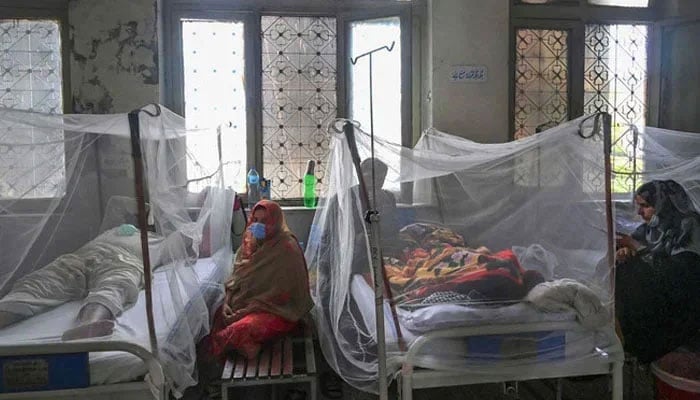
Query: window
x,y
298,98
615,82
277,79
541,79
563,69
31,79
215,91
367,35
386,66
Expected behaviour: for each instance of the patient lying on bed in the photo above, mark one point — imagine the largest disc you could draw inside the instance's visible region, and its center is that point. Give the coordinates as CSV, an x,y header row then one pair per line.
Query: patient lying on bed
x,y
437,266
106,273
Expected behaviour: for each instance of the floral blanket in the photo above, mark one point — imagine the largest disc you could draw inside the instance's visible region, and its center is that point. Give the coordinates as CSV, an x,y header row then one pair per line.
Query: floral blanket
x,y
437,266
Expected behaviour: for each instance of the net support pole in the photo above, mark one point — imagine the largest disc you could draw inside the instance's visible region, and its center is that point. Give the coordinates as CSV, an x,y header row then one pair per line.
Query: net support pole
x,y
607,144
372,219
136,154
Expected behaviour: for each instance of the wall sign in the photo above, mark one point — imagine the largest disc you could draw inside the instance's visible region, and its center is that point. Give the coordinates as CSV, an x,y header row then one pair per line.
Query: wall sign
x,y
469,73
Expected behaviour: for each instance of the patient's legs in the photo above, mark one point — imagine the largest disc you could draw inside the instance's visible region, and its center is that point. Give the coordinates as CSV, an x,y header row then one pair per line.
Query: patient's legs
x,y
60,281
114,284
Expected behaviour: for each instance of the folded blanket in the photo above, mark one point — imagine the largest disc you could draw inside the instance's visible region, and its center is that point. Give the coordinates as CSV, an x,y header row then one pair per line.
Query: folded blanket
x,y
568,294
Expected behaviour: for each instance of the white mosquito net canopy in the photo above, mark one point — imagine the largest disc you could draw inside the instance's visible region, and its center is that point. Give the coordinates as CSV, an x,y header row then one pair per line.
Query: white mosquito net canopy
x,y
64,247
481,235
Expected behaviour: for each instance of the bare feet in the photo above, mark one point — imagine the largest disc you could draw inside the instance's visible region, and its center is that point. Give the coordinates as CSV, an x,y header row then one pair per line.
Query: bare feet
x,y
94,320
90,330
93,312
7,318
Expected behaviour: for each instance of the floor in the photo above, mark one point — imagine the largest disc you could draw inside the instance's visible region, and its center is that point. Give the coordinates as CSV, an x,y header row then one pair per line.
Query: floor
x,y
638,386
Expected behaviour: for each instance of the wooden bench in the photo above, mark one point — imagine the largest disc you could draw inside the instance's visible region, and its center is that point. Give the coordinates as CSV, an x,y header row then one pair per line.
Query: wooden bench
x,y
290,359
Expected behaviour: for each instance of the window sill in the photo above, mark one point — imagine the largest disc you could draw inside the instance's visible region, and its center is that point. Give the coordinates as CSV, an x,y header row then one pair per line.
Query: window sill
x,y
298,208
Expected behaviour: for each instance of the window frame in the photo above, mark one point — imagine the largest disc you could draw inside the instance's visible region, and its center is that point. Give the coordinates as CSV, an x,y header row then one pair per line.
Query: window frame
x,y
250,12
575,63
405,19
575,17
47,10
56,10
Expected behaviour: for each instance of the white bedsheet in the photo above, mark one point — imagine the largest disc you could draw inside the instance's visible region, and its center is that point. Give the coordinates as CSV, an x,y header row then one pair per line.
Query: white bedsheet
x,y
454,353
131,326
443,316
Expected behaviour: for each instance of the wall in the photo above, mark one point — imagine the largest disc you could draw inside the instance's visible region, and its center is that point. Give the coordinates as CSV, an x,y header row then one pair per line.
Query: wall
x,y
466,32
679,67
114,69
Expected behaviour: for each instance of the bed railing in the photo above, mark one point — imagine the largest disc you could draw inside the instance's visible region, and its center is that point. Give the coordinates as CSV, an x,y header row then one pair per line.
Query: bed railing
x,y
155,370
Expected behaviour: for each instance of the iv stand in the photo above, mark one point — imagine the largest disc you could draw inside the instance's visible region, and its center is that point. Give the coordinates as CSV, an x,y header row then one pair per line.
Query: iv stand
x,y
372,220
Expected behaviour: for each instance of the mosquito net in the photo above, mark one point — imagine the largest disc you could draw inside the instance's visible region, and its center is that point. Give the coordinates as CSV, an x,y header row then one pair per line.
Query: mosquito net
x,y
514,240
72,265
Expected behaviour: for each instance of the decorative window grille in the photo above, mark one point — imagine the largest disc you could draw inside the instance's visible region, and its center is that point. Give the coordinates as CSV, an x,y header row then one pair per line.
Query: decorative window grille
x,y
298,99
615,80
541,79
32,163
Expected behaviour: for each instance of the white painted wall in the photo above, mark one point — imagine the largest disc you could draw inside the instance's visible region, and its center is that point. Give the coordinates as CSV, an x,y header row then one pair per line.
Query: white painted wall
x,y
468,32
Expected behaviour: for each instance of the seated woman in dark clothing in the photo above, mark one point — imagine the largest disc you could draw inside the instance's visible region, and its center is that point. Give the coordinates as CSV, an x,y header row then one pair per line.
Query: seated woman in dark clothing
x,y
658,273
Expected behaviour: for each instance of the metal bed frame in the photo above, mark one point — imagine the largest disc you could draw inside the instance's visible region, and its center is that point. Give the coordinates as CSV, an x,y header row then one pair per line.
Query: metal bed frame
x,y
156,390
410,378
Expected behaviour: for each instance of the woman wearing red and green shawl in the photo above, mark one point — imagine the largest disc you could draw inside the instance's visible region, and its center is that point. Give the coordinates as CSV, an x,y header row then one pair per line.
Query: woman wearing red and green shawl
x,y
268,291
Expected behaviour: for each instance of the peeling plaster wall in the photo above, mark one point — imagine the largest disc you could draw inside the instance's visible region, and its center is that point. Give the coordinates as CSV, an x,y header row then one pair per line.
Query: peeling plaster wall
x,y
114,69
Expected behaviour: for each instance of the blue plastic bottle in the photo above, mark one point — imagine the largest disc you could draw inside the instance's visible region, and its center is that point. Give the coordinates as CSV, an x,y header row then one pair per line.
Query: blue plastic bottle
x,y
253,187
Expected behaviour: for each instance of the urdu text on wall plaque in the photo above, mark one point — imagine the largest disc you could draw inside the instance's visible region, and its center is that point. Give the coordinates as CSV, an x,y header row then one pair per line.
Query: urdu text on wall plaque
x,y
468,73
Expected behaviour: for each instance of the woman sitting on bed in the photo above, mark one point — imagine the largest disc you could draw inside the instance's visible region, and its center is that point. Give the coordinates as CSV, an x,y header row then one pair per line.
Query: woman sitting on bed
x,y
268,291
658,273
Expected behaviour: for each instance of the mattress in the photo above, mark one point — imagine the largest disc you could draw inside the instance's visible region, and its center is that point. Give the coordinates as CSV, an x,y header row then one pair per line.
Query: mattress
x,y
462,352
131,326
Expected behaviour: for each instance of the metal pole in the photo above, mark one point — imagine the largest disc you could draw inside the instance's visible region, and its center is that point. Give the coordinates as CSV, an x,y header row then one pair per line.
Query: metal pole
x,y
143,222
371,133
607,143
372,218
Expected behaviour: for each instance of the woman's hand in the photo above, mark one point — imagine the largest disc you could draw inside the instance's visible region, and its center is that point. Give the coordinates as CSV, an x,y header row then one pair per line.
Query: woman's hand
x,y
227,313
242,264
626,241
236,315
624,254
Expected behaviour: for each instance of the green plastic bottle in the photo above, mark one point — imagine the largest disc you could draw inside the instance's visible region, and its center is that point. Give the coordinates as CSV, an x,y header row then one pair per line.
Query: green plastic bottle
x,y
310,185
